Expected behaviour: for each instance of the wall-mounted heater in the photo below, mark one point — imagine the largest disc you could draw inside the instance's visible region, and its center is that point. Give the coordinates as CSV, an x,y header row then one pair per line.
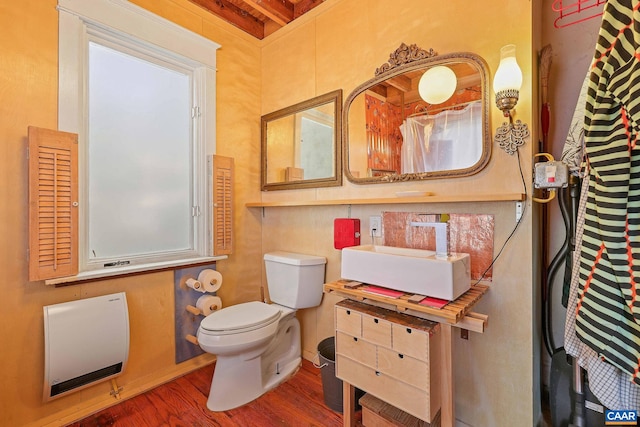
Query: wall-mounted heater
x,y
85,342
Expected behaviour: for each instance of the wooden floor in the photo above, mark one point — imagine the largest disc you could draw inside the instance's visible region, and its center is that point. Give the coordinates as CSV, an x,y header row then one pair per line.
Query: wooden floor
x,y
182,402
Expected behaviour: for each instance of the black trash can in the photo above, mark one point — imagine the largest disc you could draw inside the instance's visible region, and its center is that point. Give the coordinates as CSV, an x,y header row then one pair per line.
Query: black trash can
x,y
331,385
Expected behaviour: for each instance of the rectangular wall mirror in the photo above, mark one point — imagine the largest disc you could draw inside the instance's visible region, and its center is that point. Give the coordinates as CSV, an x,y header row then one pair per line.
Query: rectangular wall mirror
x,y
301,144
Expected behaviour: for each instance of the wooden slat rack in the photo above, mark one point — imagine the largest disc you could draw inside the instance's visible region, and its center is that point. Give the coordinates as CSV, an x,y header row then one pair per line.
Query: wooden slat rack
x,y
457,312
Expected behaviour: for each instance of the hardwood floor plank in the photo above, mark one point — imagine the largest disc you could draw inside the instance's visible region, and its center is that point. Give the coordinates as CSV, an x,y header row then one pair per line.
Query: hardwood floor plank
x,y
173,404
293,405
143,412
298,402
201,378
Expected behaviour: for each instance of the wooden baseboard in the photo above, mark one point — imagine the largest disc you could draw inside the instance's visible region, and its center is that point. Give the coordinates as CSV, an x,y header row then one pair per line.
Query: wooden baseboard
x,y
74,413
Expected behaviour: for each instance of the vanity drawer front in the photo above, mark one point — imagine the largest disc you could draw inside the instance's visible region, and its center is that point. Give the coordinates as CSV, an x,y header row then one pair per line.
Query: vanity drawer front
x,y
394,392
376,330
410,341
404,368
356,349
349,321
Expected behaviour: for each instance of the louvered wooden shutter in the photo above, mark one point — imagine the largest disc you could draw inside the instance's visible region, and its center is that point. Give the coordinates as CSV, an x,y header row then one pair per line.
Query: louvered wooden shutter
x,y
222,205
53,207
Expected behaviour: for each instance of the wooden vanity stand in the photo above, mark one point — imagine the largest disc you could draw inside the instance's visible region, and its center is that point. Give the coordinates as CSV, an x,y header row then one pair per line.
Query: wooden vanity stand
x,y
400,351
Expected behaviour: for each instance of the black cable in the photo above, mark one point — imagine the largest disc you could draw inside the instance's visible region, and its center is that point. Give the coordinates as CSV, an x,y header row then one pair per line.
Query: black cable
x,y
556,263
564,255
524,209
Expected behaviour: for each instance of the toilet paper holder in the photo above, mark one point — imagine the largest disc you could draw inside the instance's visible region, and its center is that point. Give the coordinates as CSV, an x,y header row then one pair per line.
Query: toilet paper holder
x,y
205,305
194,284
193,310
197,312
192,339
208,280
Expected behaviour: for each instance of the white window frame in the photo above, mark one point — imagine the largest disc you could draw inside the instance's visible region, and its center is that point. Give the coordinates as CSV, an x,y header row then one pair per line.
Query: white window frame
x,y
129,25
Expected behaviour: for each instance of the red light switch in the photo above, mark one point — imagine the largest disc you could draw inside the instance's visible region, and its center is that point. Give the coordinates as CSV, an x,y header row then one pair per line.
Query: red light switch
x,y
346,232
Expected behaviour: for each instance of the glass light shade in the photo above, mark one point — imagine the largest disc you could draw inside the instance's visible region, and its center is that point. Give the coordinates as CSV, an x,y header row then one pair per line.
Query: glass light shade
x,y
437,84
508,76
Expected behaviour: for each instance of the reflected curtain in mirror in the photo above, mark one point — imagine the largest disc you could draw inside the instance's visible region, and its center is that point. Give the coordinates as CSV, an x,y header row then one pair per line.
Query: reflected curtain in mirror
x,y
392,134
433,142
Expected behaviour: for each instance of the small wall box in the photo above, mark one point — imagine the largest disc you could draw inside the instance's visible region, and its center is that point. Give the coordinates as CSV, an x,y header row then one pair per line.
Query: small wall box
x,y
346,232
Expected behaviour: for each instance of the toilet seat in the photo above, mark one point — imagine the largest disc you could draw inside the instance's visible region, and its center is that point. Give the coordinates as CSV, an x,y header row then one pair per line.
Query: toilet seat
x,y
240,318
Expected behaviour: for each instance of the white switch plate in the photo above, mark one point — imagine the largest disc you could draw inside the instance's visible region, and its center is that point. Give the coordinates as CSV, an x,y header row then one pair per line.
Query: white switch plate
x,y
375,226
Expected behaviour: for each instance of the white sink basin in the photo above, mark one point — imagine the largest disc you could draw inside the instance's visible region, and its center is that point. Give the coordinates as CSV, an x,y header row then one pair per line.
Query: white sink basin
x,y
416,271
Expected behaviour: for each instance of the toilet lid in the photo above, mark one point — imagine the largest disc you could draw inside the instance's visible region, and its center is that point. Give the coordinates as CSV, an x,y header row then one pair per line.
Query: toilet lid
x,y
241,316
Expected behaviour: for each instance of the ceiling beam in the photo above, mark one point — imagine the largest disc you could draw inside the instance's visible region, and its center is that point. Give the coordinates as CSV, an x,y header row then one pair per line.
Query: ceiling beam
x,y
277,11
301,7
234,15
380,90
469,81
400,82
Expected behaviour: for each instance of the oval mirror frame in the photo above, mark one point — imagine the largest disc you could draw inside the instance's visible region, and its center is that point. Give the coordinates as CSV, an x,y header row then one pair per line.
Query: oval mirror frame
x,y
408,59
304,109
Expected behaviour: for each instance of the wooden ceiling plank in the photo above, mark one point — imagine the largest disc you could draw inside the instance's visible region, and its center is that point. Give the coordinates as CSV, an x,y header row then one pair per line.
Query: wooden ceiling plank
x,y
278,11
234,15
380,90
469,81
303,6
400,82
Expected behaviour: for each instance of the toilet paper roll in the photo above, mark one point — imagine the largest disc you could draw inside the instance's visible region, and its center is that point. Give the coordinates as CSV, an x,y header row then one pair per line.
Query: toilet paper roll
x,y
211,280
195,285
208,304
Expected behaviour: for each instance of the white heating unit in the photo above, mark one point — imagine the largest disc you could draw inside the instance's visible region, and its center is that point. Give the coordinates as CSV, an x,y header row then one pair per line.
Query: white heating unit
x,y
85,342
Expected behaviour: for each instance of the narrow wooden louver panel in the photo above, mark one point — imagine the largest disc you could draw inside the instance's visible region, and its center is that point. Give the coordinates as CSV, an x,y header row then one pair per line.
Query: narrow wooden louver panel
x,y
222,205
53,211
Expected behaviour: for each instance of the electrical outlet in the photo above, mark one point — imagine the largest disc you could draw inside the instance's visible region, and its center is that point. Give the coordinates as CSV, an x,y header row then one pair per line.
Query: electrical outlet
x,y
519,209
375,226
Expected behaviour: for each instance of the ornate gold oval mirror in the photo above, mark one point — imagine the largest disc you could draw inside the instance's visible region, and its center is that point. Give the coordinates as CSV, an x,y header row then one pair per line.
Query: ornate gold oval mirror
x,y
301,144
398,128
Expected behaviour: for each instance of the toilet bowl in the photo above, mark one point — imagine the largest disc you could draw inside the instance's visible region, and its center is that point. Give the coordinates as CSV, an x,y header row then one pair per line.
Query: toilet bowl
x,y
240,336
257,345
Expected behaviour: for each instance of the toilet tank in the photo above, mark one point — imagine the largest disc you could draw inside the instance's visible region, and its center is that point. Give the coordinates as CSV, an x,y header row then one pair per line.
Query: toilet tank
x,y
295,280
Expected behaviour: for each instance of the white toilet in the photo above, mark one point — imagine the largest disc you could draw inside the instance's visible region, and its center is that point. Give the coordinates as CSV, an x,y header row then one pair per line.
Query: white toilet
x,y
257,344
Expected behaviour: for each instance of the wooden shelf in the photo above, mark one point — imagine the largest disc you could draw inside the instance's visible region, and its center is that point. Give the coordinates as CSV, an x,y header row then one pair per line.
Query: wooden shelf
x,y
468,198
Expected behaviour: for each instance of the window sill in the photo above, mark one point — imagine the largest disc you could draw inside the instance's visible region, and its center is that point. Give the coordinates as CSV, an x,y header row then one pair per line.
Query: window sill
x,y
131,269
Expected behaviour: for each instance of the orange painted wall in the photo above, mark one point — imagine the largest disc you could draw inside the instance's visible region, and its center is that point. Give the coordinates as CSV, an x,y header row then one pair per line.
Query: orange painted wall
x,y
28,90
338,45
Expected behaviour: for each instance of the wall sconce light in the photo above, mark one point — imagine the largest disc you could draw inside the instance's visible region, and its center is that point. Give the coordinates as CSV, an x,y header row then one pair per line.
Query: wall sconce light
x,y
506,85
437,84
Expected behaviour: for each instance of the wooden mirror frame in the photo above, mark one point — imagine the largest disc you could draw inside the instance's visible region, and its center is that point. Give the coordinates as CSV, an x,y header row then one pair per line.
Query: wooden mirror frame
x,y
334,97
412,58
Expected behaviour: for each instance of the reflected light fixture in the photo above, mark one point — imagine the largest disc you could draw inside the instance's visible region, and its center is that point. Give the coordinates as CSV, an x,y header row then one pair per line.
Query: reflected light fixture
x,y
437,84
506,85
